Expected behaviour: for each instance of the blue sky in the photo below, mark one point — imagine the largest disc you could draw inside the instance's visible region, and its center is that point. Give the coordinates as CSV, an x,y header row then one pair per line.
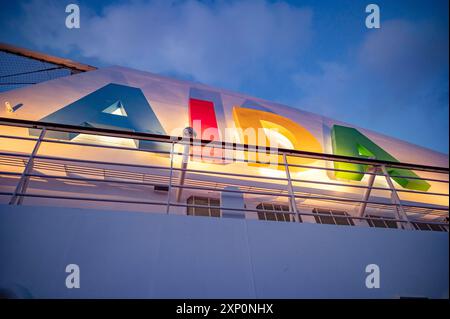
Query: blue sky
x,y
314,55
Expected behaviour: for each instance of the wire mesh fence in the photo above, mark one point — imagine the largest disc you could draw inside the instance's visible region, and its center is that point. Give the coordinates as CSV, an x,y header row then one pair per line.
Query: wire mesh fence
x,y
20,67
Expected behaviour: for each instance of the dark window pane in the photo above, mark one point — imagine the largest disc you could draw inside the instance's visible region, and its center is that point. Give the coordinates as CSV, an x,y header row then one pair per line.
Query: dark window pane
x,y
269,211
342,221
350,221
201,211
427,226
421,226
214,202
261,215
339,213
215,212
391,224
201,201
326,220
317,218
280,217
376,222
382,222
334,218
436,227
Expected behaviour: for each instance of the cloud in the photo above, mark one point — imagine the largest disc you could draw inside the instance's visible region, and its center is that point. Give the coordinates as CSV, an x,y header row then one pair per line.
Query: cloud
x,y
222,43
396,81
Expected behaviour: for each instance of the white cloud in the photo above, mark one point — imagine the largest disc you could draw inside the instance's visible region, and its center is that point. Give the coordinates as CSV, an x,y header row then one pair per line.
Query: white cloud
x,y
224,43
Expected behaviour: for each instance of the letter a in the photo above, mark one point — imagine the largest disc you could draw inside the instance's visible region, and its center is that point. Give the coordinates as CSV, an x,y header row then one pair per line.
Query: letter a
x,y
373,19
373,279
73,279
348,141
73,19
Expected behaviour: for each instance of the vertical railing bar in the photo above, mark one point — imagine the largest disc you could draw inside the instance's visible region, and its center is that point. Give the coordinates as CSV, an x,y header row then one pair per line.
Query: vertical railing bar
x,y
172,146
293,205
23,181
394,195
188,133
367,191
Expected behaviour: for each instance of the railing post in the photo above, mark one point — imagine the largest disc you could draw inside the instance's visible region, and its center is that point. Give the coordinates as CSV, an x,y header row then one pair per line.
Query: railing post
x,y
292,204
188,132
396,199
367,191
22,185
169,192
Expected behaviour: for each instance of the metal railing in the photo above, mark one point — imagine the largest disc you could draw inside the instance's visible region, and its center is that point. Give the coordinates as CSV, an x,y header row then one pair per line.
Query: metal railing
x,y
100,171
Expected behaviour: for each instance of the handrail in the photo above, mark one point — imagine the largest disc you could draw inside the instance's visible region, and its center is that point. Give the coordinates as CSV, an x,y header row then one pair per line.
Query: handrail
x,y
218,207
201,142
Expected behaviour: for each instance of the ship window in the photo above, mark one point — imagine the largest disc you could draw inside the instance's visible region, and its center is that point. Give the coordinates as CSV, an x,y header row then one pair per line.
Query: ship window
x,y
381,222
332,217
428,226
269,211
211,208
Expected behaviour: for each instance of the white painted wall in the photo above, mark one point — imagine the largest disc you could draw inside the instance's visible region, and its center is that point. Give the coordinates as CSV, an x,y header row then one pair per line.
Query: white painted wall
x,y
124,254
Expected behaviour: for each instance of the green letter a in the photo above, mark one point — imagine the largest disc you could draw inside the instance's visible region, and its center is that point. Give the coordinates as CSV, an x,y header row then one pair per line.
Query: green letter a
x,y
348,141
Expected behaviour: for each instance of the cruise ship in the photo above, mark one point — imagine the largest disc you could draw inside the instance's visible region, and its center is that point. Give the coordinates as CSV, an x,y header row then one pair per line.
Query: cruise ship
x,y
120,183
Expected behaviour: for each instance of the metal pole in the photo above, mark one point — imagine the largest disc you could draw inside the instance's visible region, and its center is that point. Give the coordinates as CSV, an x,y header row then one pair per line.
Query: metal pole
x,y
292,204
188,132
169,192
362,207
396,199
24,179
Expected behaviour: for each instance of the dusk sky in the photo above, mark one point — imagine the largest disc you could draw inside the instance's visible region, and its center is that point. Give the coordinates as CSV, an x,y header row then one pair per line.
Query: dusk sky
x,y
314,55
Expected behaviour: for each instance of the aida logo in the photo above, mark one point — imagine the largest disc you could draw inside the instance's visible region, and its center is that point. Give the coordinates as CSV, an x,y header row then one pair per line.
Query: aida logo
x,y
126,108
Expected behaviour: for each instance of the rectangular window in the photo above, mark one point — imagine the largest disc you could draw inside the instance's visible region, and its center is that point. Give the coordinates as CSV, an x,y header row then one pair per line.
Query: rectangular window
x,y
381,222
333,217
211,208
269,211
428,226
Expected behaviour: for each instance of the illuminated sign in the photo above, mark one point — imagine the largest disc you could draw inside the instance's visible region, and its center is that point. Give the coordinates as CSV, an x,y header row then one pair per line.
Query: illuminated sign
x,y
124,107
204,109
349,141
113,106
261,122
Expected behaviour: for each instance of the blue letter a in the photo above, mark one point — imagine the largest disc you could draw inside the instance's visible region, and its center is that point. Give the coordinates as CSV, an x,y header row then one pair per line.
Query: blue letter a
x,y
113,106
